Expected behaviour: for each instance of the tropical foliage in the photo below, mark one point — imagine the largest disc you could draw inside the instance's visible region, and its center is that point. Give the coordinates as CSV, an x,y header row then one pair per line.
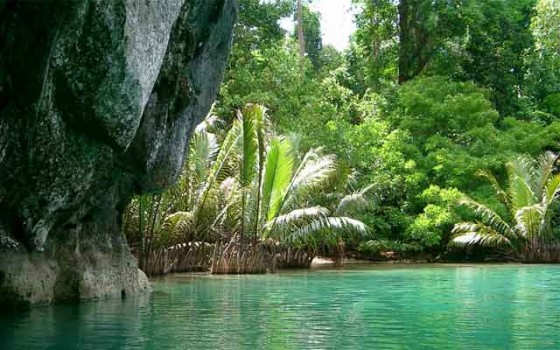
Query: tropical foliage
x,y
427,93
249,198
531,199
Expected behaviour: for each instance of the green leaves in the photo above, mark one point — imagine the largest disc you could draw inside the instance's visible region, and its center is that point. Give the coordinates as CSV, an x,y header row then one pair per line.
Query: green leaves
x,y
325,229
469,234
277,175
249,145
532,194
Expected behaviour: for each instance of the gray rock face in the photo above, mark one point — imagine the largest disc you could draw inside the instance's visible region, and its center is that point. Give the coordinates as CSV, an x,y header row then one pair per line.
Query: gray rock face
x,y
98,99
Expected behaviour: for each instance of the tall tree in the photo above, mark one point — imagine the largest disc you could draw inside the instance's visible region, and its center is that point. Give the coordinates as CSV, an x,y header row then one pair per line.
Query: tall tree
x,y
419,28
543,76
258,22
484,41
374,55
425,26
496,43
308,34
257,29
300,35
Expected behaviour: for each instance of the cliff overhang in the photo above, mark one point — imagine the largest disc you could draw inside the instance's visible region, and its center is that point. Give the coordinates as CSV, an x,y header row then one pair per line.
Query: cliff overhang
x,y
98,99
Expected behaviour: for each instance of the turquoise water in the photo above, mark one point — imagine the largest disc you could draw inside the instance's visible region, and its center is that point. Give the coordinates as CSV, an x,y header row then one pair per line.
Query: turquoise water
x,y
473,307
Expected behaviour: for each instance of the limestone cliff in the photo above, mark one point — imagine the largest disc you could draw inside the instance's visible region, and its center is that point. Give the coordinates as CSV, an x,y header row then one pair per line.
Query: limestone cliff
x,y
98,99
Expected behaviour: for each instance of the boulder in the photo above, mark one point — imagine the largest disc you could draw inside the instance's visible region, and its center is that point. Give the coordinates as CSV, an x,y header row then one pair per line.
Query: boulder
x,y
98,100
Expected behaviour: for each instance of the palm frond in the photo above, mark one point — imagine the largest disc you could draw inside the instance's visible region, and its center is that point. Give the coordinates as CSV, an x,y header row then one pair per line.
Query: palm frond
x,y
356,201
178,223
520,177
502,195
211,121
225,152
312,173
552,189
468,233
530,220
332,225
544,171
532,191
203,150
298,215
488,216
277,175
260,128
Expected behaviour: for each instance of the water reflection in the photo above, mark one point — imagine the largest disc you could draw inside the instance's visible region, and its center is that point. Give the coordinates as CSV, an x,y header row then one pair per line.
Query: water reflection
x,y
482,307
91,325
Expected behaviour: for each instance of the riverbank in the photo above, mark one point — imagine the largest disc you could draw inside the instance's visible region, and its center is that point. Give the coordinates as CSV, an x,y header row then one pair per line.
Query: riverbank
x,y
323,262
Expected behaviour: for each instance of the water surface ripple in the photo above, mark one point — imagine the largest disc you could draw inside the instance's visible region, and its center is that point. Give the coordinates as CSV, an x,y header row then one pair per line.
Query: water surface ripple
x,y
469,307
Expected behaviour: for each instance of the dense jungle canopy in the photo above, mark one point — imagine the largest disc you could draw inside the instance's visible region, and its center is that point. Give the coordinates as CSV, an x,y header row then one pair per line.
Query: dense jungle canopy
x,y
397,144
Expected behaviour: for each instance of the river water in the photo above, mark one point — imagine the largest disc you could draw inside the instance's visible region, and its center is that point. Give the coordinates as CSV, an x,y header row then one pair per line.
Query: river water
x,y
415,307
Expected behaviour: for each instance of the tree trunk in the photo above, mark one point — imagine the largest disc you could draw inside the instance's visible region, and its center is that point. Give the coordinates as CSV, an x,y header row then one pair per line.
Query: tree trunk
x,y
301,38
404,41
416,42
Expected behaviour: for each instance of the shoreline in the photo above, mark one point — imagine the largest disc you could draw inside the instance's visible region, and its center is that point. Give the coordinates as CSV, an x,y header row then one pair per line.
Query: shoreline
x,y
327,262
349,265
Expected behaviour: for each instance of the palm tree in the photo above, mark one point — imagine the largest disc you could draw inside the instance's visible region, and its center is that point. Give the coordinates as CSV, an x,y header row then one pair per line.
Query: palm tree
x,y
306,232
274,203
532,198
246,198
163,228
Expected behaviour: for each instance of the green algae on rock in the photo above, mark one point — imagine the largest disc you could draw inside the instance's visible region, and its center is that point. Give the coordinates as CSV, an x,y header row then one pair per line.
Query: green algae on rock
x,y
98,99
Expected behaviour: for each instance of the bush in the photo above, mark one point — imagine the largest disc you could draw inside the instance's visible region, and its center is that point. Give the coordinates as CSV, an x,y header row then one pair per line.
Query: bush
x,y
375,248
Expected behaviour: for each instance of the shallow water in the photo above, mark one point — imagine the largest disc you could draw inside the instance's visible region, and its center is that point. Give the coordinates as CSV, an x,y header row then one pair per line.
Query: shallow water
x,y
469,307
